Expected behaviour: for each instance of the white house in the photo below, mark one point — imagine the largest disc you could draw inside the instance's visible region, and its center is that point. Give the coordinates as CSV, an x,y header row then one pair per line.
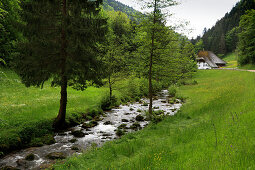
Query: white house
x,y
208,60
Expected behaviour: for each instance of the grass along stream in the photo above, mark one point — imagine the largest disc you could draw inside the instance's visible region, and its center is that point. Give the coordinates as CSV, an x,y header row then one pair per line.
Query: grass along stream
x,y
111,125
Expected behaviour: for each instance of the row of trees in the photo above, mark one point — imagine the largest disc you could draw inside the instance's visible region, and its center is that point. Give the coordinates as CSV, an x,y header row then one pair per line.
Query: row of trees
x,y
75,42
223,37
246,44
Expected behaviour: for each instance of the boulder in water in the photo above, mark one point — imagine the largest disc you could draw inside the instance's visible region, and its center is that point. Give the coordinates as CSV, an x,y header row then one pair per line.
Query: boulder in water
x,y
56,155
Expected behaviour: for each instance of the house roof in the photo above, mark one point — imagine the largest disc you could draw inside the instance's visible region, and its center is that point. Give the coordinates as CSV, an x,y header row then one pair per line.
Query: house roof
x,y
210,58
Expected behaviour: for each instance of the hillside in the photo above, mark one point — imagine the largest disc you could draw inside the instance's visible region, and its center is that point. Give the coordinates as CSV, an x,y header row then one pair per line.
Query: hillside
x,y
118,6
222,37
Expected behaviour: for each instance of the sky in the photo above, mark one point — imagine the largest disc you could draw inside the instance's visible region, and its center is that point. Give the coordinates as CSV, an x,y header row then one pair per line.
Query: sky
x,y
199,14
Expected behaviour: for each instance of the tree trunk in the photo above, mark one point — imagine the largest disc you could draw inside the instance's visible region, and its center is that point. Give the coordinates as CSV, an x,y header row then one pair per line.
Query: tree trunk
x,y
60,120
151,59
110,87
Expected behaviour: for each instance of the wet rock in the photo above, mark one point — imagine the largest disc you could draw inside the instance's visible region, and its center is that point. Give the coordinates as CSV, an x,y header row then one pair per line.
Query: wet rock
x,y
156,107
122,126
135,126
9,168
107,123
61,134
73,140
97,118
30,157
139,118
163,101
106,134
56,155
21,162
91,124
127,113
78,134
124,120
120,132
139,110
131,109
75,148
171,101
145,104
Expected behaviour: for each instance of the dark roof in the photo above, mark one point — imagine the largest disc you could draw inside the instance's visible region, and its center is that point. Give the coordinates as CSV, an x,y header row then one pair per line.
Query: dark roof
x,y
210,58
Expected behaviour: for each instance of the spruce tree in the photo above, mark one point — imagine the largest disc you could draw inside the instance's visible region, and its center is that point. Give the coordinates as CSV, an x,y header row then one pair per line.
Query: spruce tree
x,y
156,32
60,44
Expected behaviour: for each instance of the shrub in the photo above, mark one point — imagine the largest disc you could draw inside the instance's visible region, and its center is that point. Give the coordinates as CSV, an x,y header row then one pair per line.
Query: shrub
x,y
172,91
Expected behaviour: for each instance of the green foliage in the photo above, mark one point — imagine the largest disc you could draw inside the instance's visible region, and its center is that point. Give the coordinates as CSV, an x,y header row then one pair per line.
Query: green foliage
x,y
9,16
111,5
199,46
172,91
222,38
232,39
43,55
246,45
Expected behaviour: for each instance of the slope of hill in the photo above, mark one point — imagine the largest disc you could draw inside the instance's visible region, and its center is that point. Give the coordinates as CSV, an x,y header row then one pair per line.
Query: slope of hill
x,y
118,6
222,37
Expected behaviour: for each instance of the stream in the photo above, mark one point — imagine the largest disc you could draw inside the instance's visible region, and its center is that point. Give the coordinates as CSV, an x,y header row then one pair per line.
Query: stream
x,y
79,138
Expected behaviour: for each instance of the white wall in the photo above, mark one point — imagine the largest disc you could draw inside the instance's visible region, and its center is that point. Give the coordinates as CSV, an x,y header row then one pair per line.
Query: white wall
x,y
203,66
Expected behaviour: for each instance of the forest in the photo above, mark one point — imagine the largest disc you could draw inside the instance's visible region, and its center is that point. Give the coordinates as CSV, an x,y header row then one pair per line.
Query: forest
x,y
227,35
95,84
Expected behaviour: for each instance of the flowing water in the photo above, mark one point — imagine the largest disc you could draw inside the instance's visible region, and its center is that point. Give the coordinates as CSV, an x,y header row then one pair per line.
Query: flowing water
x,y
67,145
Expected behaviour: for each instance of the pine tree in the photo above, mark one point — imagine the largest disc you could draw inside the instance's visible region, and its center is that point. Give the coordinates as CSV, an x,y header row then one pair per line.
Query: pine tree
x,y
155,29
60,44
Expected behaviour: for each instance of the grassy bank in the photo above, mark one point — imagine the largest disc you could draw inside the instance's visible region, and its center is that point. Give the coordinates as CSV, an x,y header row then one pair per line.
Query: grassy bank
x,y
213,130
231,60
27,114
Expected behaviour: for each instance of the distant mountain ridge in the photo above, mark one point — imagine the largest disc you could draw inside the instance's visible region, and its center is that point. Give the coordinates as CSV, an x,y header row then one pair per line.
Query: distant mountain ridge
x,y
118,6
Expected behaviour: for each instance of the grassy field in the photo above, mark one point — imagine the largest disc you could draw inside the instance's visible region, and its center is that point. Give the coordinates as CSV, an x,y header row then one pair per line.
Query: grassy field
x,y
231,60
215,129
27,113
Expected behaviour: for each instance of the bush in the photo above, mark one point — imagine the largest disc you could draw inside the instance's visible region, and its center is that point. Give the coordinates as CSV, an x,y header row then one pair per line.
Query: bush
x,y
172,91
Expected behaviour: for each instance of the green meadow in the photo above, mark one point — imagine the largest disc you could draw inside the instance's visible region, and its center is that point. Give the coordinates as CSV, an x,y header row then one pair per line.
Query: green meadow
x,y
28,113
214,129
231,60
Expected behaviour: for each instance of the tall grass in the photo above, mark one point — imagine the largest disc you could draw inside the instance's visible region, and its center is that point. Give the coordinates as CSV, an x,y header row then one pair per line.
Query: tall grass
x,y
213,130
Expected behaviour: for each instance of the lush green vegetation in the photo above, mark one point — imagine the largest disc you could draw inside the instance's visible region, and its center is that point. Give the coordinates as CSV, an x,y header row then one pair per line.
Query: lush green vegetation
x,y
222,38
28,113
246,44
231,60
213,130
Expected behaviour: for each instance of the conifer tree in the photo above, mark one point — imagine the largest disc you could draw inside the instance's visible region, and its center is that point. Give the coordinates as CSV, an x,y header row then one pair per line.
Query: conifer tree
x,y
155,29
60,45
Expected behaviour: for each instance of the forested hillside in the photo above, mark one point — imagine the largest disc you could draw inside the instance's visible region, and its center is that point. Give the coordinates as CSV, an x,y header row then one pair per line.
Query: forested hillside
x,y
118,6
223,37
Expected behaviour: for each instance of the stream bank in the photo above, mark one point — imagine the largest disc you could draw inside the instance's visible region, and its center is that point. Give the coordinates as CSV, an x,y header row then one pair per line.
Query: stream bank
x,y
124,119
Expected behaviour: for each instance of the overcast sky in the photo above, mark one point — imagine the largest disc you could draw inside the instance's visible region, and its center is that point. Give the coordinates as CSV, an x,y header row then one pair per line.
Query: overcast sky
x,y
199,13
